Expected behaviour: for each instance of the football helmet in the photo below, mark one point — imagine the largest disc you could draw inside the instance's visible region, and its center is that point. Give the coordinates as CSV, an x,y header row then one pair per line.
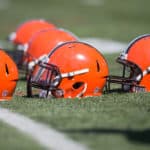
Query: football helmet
x,y
136,66
42,43
72,69
8,76
26,30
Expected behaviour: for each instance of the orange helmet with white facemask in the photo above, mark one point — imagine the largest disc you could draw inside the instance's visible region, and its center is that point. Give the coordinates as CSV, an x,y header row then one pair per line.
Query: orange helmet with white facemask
x,y
26,30
8,76
72,69
43,42
136,66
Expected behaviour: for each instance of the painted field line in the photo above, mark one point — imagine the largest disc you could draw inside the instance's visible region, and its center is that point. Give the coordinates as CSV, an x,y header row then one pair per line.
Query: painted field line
x,y
103,45
44,135
93,3
106,46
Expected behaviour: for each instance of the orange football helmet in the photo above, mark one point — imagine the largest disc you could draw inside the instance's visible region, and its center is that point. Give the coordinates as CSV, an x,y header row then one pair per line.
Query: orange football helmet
x,y
43,42
26,30
8,76
73,69
136,66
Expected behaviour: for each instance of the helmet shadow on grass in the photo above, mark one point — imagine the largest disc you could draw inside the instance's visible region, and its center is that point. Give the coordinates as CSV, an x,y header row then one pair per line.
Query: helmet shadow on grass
x,y
140,136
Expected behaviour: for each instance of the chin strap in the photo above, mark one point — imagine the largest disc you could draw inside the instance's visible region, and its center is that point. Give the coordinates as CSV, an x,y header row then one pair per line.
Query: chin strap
x,y
145,72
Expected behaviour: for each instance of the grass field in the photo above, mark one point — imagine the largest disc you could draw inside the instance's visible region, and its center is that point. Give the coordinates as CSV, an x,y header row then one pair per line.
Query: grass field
x,y
110,122
104,122
115,19
12,139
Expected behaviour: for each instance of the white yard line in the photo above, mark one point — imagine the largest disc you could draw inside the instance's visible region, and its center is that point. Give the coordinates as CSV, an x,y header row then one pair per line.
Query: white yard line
x,y
106,46
103,45
46,136
92,2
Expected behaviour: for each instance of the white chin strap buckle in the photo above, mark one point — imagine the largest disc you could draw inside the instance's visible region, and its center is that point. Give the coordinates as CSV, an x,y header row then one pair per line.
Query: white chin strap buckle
x,y
12,36
43,58
22,47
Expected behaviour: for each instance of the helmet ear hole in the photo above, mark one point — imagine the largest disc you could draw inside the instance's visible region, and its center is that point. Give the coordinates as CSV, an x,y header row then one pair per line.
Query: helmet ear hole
x,y
6,68
98,66
77,85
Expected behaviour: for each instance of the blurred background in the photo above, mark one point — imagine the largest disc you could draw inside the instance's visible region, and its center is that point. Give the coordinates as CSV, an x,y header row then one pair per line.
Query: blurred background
x,y
111,19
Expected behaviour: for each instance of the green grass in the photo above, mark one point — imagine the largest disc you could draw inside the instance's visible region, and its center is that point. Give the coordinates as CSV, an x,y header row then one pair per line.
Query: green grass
x,y
118,20
11,139
109,122
112,121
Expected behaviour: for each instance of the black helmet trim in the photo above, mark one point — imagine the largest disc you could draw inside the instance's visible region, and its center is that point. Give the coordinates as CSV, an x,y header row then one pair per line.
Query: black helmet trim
x,y
134,41
71,42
